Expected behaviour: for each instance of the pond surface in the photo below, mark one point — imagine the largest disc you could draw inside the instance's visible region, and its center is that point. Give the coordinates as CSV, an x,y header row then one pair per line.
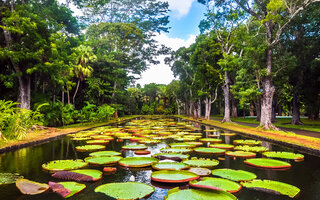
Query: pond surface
x,y
28,161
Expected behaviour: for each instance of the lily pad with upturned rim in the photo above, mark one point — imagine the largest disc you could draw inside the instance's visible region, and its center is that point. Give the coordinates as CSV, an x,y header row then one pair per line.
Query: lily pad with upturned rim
x,y
103,160
234,175
97,142
170,166
274,187
85,148
63,165
200,171
26,186
201,162
137,161
228,134
135,147
241,154
222,146
104,153
181,145
216,184
192,194
247,142
9,178
176,150
79,175
126,191
209,150
171,155
177,176
284,155
257,149
210,140
72,188
267,163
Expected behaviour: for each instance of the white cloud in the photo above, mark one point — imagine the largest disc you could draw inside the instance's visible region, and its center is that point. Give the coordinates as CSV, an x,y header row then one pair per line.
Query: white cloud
x,y
162,73
179,8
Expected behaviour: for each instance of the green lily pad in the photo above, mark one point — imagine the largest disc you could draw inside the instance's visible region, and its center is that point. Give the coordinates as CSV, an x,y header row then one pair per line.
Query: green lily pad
x,y
228,134
79,175
30,187
170,166
137,161
126,191
210,140
9,178
195,194
135,147
274,187
257,149
171,155
201,162
195,143
241,154
85,148
103,160
216,184
68,189
97,142
149,141
284,155
222,146
181,145
176,150
234,175
247,142
177,176
267,163
102,137
209,150
104,153
63,165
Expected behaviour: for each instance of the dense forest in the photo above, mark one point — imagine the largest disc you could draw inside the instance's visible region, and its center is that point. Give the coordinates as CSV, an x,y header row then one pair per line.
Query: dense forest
x,y
257,58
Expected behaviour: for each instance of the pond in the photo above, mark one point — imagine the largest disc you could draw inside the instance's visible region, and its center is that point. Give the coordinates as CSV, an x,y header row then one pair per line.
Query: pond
x,y
27,162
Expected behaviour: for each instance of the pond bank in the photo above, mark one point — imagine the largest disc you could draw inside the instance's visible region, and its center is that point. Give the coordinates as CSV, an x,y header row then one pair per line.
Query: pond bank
x,y
49,134
303,143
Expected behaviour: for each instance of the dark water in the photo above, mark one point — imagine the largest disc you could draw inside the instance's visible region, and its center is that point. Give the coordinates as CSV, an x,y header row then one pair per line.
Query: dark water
x,y
28,161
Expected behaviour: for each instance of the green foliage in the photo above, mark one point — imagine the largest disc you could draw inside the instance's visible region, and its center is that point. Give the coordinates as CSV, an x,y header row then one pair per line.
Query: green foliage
x,y
147,110
57,114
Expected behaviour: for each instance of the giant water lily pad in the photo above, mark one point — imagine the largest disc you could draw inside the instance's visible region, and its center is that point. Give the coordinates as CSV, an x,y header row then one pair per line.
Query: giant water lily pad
x,y
234,175
210,140
181,145
284,155
201,162
105,153
97,142
62,165
135,147
216,184
170,166
85,148
79,175
30,187
126,191
267,163
176,150
222,146
197,194
9,178
66,189
177,176
103,160
200,171
241,154
102,137
257,149
171,156
247,142
274,187
209,150
137,161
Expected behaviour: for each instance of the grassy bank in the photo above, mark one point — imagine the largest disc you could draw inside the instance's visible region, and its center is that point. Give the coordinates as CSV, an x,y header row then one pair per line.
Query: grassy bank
x,y
308,125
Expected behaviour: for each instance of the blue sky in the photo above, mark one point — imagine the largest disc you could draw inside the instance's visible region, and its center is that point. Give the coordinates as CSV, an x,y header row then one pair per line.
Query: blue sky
x,y
185,17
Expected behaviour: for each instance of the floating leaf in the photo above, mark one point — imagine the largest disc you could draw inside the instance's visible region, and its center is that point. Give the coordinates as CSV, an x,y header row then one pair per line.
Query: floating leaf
x,y
200,171
137,161
228,134
126,191
171,156
105,153
216,184
103,160
222,146
234,175
195,143
177,176
256,149
210,140
181,145
267,163
285,155
142,152
201,162
241,154
176,150
209,150
247,142
62,165
170,166
30,187
9,178
274,187
135,147
79,175
68,189
195,194
97,142
85,148
102,137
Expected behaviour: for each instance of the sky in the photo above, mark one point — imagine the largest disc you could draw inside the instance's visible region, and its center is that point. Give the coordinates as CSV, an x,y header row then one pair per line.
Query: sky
x,y
185,17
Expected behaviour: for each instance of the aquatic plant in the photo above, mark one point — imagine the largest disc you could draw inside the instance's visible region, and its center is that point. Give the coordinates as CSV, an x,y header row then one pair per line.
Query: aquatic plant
x,y
216,184
247,142
62,165
241,154
79,175
66,189
103,160
137,161
85,148
177,176
135,147
209,150
170,166
267,163
9,178
234,175
26,186
284,155
104,153
201,162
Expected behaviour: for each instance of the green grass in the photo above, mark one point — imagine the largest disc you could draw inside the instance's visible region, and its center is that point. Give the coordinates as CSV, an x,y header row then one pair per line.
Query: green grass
x,y
309,125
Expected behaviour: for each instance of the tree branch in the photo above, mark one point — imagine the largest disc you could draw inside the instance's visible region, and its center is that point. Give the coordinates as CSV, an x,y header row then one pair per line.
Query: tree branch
x,y
248,10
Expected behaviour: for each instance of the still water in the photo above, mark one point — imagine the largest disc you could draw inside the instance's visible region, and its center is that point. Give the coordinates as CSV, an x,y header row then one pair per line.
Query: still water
x,y
28,161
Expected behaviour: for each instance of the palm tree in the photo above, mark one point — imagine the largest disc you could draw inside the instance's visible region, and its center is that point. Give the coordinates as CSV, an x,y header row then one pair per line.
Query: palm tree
x,y
82,70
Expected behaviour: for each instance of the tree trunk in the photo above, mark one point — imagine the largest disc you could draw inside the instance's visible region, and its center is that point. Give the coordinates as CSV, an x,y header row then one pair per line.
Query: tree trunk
x,y
251,109
62,95
258,109
24,96
296,109
274,111
226,92
199,108
178,107
75,93
234,112
207,102
68,95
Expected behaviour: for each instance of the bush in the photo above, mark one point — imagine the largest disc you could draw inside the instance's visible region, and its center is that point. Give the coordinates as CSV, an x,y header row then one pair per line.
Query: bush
x,y
105,112
147,110
57,114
